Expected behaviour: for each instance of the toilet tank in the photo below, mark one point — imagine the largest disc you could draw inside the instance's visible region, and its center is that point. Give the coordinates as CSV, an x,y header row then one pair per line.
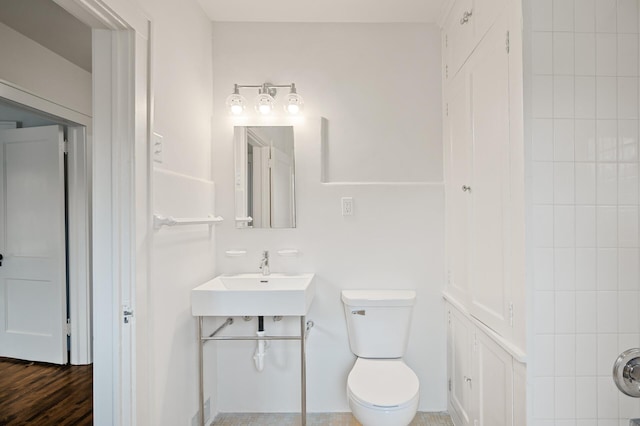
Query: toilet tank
x,y
378,321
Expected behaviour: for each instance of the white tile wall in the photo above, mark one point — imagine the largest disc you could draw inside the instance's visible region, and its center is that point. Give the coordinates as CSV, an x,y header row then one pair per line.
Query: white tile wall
x,y
586,231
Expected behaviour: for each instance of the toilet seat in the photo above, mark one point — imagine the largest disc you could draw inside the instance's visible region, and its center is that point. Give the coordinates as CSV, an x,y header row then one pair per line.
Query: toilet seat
x,y
387,384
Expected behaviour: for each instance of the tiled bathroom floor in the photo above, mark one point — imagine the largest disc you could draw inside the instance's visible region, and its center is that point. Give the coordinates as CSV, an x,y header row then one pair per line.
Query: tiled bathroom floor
x,y
318,419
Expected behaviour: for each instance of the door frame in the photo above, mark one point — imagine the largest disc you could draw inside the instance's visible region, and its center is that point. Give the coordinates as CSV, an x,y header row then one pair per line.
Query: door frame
x,y
121,219
122,225
78,207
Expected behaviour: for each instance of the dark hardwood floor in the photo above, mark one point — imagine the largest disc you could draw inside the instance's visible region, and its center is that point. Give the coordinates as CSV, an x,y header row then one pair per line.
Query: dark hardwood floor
x,y
45,394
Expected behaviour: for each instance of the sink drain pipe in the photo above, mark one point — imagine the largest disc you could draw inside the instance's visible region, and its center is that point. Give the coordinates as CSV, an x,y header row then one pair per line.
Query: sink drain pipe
x,y
261,346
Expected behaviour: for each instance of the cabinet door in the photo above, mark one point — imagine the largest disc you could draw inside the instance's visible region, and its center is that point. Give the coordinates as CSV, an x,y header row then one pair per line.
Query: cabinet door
x,y
519,393
459,357
489,70
494,385
459,178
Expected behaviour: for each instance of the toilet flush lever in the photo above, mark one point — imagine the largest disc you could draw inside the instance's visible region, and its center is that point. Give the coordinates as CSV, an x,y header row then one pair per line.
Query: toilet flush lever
x,y
360,312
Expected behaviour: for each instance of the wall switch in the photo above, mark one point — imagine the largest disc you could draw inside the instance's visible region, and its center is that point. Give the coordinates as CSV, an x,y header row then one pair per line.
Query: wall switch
x,y
347,206
156,147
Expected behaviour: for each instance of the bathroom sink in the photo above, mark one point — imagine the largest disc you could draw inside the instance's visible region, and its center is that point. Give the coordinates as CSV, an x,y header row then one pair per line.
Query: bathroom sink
x,y
254,295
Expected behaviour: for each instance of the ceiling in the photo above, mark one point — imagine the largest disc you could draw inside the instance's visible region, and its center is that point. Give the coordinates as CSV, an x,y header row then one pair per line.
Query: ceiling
x,y
48,24
365,11
54,28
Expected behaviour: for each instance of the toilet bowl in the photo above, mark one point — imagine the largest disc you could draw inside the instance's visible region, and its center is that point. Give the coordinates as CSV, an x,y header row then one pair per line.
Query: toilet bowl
x,y
383,392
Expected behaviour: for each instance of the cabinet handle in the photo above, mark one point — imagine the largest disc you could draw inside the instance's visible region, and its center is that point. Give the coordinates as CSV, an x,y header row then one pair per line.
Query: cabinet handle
x,y
467,379
466,188
465,16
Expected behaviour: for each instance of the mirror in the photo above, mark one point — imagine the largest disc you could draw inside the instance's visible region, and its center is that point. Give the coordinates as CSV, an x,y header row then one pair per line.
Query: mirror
x,y
264,177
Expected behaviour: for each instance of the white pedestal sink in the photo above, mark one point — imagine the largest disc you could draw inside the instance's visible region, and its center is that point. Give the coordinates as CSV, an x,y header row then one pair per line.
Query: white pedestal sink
x,y
254,295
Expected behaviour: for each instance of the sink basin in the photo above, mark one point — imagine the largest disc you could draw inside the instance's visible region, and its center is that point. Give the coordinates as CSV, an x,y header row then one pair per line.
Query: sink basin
x,y
254,295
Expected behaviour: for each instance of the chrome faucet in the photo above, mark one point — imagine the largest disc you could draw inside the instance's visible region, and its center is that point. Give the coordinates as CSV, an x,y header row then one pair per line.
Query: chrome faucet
x,y
264,263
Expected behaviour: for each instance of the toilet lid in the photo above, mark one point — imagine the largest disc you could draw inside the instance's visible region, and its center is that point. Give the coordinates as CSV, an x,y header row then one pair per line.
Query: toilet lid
x,y
382,382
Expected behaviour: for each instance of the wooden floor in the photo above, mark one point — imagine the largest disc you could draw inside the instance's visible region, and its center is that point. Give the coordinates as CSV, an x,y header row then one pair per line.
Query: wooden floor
x,y
45,394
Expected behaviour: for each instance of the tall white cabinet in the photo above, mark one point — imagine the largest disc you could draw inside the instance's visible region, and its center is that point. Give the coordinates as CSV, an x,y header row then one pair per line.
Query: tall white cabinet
x,y
484,174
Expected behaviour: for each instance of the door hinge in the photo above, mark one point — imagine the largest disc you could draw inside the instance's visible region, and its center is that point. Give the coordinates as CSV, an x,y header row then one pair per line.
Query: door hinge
x,y
127,314
511,314
446,40
446,71
65,146
447,109
508,43
449,385
475,342
68,327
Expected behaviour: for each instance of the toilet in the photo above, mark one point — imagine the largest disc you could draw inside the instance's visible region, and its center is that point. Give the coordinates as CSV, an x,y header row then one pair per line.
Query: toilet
x,y
382,389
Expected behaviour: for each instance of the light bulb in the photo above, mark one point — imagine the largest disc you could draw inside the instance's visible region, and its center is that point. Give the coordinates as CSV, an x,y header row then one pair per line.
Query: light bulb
x,y
236,103
294,103
264,103
236,109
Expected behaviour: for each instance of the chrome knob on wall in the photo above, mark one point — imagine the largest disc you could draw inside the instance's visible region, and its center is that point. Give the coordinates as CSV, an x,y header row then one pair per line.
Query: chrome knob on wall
x,y
626,372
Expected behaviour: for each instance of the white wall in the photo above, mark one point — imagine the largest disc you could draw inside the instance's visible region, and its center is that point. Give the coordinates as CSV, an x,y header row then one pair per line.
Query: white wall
x,y
394,240
182,257
582,86
374,79
34,68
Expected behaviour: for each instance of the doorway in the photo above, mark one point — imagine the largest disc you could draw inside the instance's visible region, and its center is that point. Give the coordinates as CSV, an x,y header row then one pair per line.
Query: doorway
x,y
45,283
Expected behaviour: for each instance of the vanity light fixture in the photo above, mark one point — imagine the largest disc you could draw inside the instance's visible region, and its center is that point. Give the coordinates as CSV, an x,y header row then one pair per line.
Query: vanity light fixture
x,y
265,101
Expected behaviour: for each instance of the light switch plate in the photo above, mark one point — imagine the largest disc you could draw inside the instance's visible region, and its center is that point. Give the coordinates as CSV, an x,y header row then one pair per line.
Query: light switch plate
x,y
347,206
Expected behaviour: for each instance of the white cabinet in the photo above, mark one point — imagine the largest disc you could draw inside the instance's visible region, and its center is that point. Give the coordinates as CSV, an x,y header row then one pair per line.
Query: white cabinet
x,y
481,376
467,24
459,336
494,383
484,176
478,175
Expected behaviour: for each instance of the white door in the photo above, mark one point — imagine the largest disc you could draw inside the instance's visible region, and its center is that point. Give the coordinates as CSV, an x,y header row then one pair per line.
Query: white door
x,y
460,180
490,291
460,346
33,303
494,384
